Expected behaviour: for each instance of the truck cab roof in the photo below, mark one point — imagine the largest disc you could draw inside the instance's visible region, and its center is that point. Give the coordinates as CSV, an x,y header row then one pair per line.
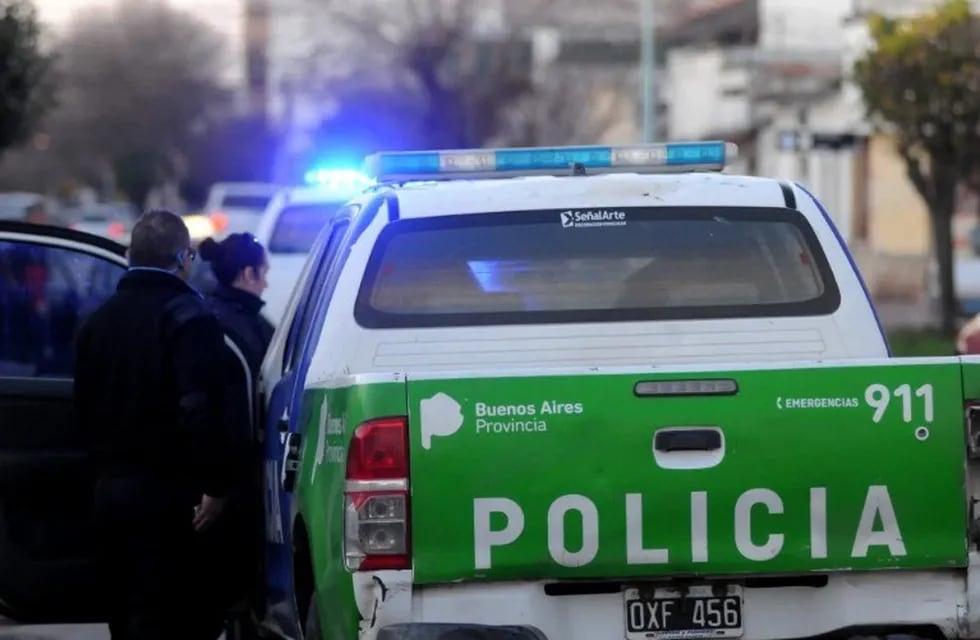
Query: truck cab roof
x,y
459,197
484,273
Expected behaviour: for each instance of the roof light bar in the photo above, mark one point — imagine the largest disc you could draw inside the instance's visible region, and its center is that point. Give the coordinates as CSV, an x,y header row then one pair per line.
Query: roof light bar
x,y
669,157
338,179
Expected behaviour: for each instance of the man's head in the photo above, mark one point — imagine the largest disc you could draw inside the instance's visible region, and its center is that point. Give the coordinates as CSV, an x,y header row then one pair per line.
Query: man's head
x,y
36,214
160,240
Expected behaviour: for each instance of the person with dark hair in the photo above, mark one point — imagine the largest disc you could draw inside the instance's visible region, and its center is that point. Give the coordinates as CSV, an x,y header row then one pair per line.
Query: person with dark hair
x,y
151,404
239,266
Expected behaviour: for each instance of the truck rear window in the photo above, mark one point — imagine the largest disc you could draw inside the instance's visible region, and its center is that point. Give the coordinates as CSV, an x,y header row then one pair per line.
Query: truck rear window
x,y
595,265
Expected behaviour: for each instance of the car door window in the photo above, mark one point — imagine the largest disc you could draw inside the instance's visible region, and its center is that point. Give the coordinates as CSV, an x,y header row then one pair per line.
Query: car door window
x,y
304,314
298,225
46,292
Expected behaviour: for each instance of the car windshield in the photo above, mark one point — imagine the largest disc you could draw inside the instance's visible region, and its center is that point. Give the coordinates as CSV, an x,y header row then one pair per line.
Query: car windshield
x,y
297,227
99,214
252,202
595,265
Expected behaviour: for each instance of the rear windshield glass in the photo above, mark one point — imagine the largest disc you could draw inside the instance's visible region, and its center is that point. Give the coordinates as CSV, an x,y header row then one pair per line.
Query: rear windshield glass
x,y
256,203
595,265
298,225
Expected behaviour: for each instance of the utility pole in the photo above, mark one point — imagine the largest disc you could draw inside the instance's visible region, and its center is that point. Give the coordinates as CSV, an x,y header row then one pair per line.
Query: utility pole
x,y
805,145
648,67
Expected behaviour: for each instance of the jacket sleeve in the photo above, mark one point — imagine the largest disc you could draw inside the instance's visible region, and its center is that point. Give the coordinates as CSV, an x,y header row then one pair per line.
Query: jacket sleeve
x,y
197,352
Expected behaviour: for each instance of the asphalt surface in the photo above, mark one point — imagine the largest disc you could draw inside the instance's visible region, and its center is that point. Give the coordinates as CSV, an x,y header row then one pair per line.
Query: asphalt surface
x,y
54,632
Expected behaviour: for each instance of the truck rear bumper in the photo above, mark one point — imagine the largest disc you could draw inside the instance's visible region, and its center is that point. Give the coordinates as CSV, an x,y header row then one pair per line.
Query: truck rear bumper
x,y
452,631
870,603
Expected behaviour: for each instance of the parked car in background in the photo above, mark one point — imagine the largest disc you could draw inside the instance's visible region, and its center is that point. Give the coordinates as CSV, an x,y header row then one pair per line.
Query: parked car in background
x,y
236,207
199,226
290,226
113,220
13,204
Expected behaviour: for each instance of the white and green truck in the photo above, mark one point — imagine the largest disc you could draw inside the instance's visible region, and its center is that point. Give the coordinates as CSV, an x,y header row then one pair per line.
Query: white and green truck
x,y
606,392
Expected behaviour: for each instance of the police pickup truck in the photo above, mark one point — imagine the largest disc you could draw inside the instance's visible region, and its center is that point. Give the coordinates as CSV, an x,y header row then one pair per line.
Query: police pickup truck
x,y
589,392
606,392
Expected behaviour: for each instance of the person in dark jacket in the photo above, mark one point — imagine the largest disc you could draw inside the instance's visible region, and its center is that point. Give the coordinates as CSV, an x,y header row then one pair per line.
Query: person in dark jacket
x,y
151,404
239,266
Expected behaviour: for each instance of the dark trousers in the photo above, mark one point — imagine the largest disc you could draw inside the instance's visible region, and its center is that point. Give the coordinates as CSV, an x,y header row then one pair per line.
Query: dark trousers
x,y
150,561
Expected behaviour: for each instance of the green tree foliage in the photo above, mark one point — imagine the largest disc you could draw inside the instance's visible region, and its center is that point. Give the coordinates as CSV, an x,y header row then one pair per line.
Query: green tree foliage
x,y
921,78
25,73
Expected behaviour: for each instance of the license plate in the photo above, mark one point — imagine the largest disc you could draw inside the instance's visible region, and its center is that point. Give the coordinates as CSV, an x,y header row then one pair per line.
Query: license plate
x,y
696,612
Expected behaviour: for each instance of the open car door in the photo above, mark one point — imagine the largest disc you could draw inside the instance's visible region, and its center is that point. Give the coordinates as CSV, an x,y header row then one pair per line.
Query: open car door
x,y
51,279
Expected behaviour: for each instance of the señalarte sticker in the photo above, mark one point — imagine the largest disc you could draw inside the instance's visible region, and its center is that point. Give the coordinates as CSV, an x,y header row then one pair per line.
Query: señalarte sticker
x,y
592,218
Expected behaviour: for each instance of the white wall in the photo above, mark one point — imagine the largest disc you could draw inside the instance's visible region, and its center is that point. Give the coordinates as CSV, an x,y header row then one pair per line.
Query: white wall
x,y
802,23
828,174
697,105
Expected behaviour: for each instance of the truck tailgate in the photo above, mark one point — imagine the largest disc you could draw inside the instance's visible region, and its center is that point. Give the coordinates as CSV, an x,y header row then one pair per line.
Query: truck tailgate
x,y
588,474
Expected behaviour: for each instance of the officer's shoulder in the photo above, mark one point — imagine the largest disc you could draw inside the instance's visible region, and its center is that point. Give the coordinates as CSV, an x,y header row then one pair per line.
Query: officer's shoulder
x,y
186,308
215,303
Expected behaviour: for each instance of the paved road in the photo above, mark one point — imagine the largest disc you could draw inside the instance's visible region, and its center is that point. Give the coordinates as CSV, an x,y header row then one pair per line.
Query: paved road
x,y
54,632
9,631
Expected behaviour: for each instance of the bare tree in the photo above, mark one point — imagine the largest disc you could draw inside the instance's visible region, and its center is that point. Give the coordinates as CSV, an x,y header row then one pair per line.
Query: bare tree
x,y
141,81
428,59
572,106
452,73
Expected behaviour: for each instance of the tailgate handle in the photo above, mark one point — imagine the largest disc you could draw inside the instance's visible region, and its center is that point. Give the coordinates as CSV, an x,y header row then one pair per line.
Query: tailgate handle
x,y
687,440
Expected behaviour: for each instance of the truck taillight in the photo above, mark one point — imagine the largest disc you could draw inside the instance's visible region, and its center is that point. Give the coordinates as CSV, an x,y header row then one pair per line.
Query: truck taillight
x,y
219,221
376,505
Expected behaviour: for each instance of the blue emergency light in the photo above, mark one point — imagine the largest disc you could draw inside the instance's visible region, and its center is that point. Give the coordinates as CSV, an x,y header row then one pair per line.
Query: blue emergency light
x,y
346,180
668,157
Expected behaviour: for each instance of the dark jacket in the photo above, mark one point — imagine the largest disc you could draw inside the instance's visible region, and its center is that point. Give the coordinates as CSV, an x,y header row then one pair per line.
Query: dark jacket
x,y
239,317
148,387
238,535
